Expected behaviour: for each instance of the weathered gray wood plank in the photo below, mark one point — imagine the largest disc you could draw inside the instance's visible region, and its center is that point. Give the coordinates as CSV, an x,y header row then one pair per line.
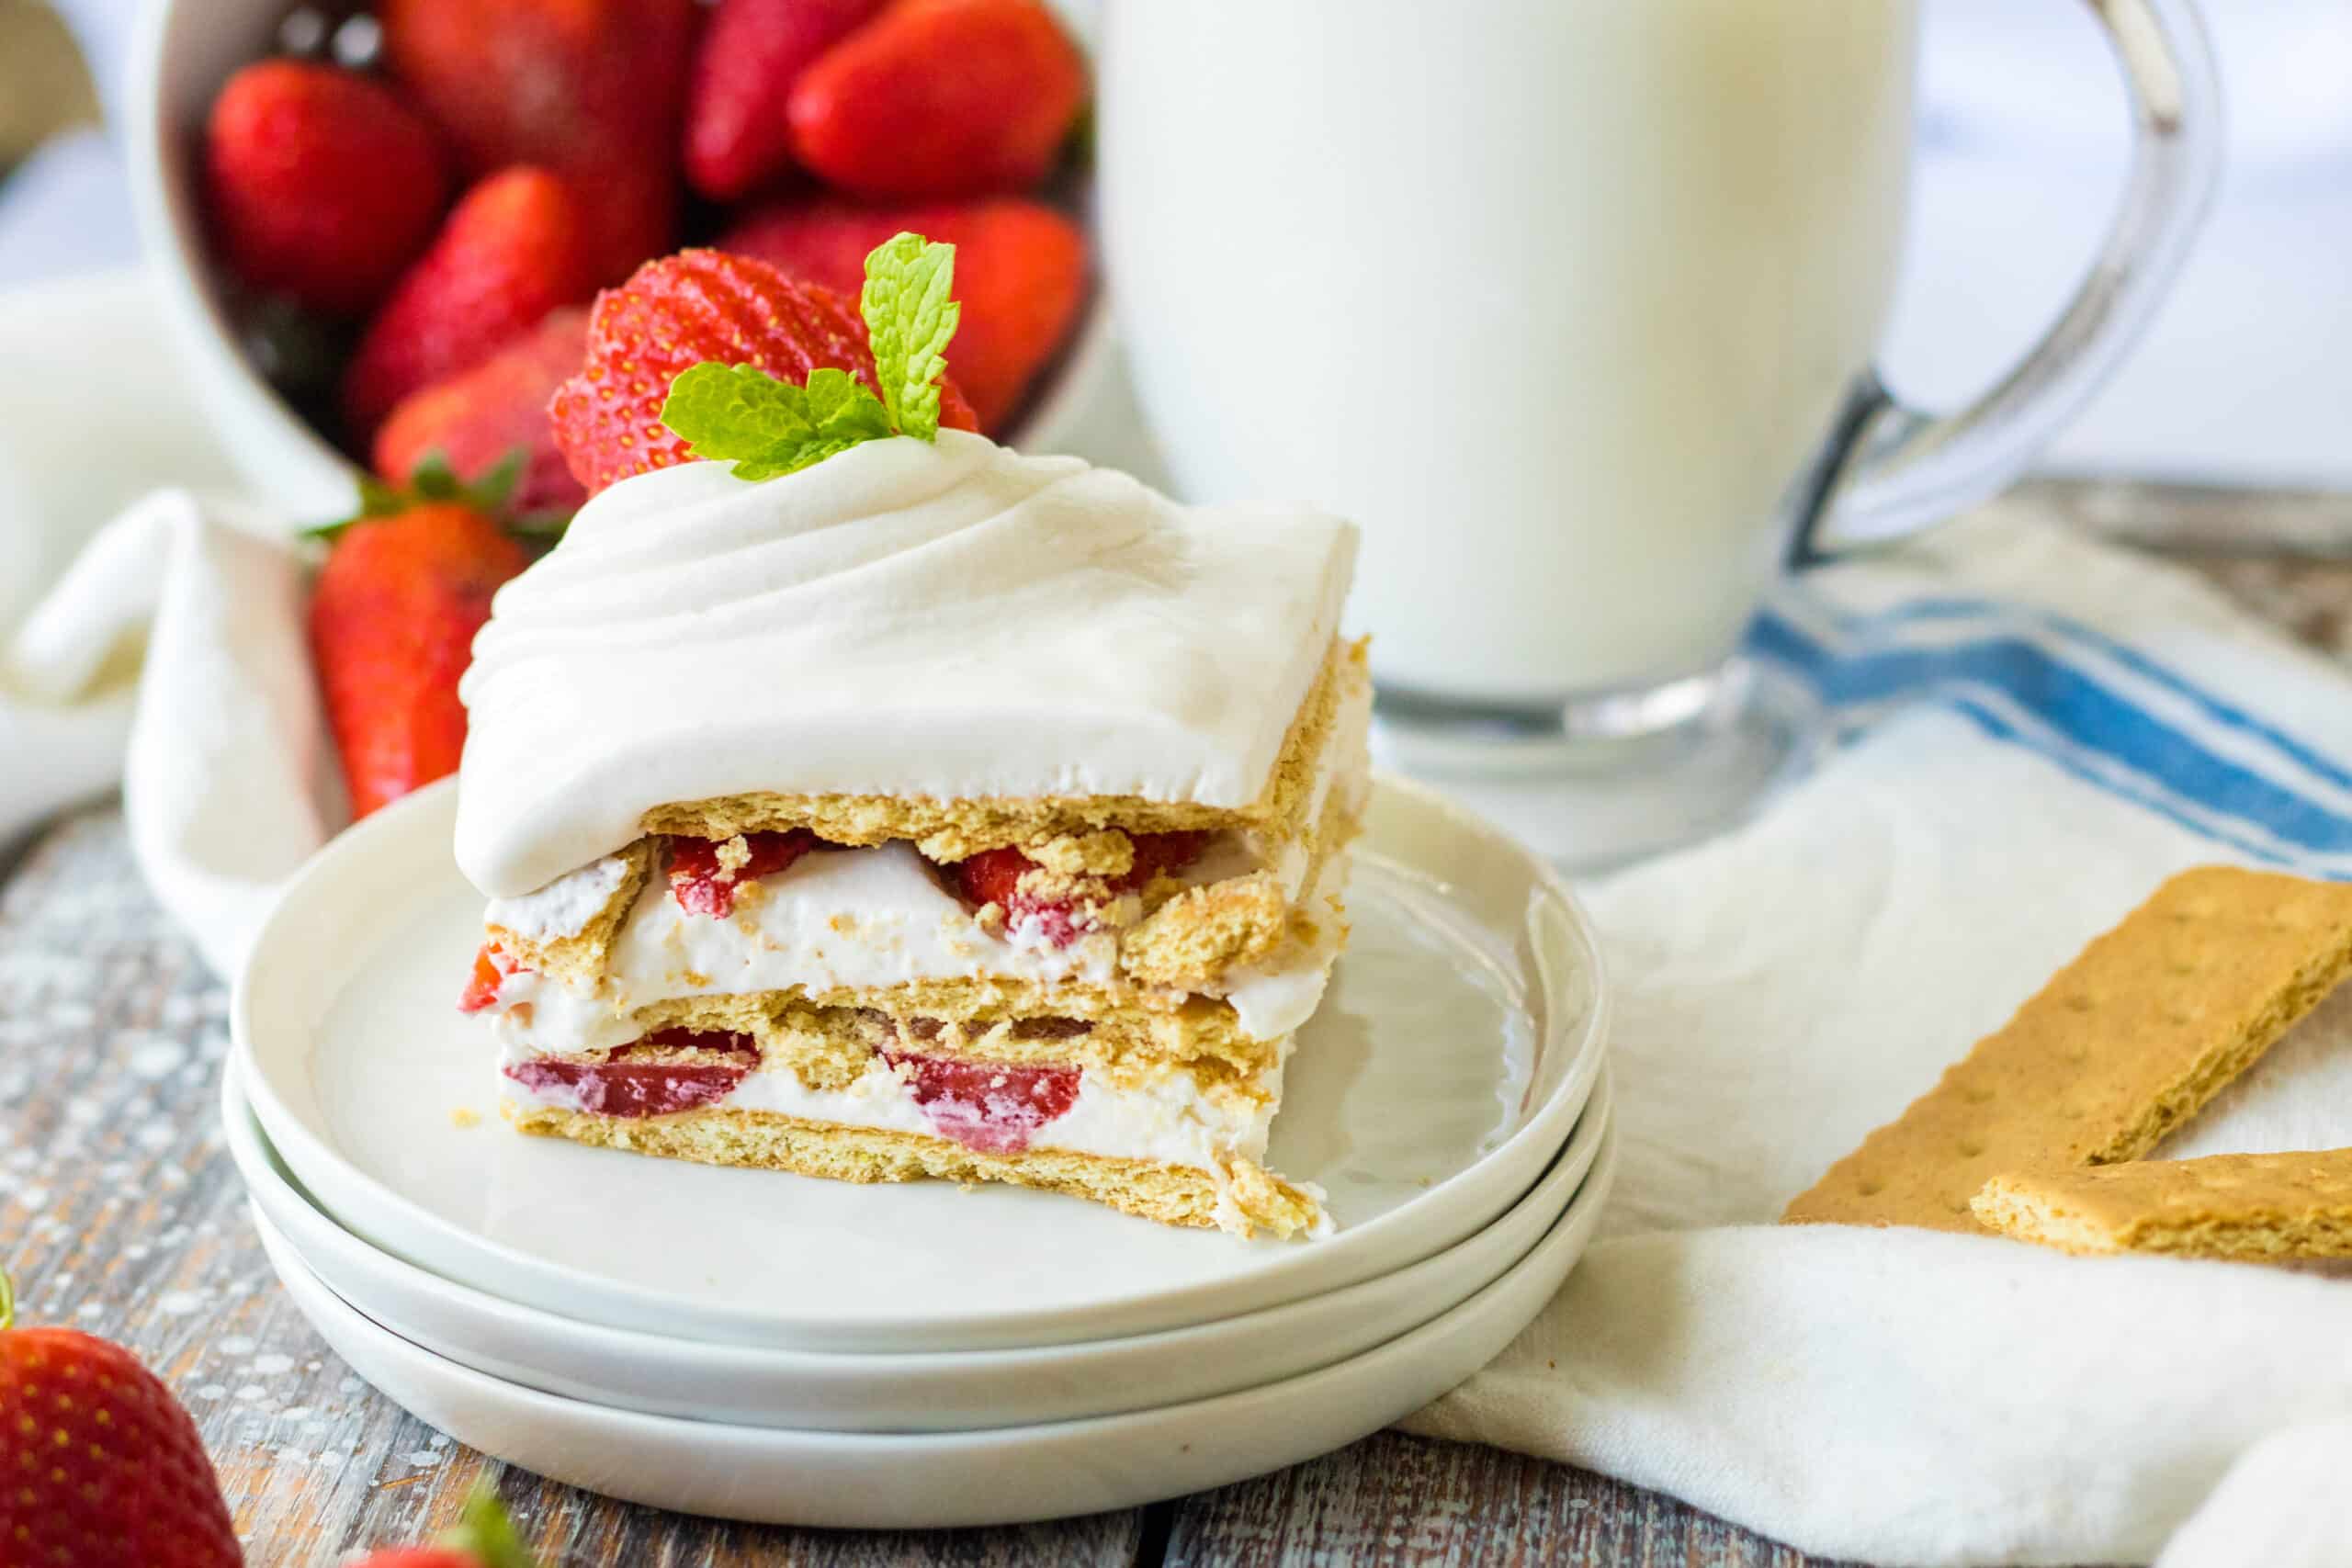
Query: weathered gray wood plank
x,y
1393,1499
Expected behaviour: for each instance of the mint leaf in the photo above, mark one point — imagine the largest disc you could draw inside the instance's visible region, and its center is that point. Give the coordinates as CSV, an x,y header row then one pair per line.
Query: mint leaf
x,y
735,411
741,414
842,407
909,318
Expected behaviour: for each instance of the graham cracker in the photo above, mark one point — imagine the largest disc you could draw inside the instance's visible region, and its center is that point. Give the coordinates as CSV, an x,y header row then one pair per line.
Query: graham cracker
x,y
2120,1047
1238,1196
953,829
2257,1207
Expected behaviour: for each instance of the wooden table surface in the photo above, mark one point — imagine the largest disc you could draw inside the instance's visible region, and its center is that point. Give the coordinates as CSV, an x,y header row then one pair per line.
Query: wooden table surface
x,y
119,1213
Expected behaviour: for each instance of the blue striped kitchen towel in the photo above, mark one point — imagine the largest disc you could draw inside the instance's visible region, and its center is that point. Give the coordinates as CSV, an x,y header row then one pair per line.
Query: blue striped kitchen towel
x,y
2033,731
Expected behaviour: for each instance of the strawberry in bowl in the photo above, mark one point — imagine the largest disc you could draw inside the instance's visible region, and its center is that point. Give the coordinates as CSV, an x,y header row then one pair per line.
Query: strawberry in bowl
x,y
388,198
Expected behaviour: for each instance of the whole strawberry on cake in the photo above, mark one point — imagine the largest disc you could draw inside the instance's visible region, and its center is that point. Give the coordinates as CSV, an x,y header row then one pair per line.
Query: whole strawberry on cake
x,y
859,798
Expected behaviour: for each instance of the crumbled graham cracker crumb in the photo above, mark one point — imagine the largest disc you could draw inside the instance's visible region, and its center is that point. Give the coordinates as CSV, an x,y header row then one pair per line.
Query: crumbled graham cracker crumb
x,y
734,855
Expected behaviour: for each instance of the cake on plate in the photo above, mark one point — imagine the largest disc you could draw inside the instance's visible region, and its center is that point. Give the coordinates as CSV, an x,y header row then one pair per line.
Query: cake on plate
x,y
914,808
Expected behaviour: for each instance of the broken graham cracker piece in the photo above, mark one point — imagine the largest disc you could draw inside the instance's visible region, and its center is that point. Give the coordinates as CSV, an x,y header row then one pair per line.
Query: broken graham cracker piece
x,y
2120,1047
2257,1207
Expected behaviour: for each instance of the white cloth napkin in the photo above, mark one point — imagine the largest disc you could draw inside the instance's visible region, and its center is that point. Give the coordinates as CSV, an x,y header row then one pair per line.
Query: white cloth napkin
x,y
227,779
2039,731
2043,729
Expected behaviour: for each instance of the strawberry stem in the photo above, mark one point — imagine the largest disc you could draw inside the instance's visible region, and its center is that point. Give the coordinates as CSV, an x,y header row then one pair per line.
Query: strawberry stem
x,y
8,1301
485,1533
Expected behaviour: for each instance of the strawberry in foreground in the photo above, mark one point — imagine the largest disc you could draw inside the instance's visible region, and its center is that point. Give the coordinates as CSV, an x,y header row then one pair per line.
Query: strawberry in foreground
x,y
513,250
478,418
485,1538
694,308
323,184
392,623
941,99
1020,274
751,54
120,1480
591,89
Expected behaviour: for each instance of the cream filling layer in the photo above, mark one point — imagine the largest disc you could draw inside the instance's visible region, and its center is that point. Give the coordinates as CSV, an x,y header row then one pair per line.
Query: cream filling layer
x,y
666,952
1168,1120
874,918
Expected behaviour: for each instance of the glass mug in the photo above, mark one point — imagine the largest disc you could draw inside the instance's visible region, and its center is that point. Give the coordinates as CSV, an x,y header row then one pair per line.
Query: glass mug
x,y
1572,304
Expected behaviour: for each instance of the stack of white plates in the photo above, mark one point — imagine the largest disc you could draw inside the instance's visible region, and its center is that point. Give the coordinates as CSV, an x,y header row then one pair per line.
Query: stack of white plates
x,y
760,1347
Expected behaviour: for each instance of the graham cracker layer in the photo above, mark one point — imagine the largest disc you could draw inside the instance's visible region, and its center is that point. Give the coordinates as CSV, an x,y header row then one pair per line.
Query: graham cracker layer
x,y
2254,1207
1173,939
2120,1047
1192,941
580,957
830,1045
953,829
1241,1198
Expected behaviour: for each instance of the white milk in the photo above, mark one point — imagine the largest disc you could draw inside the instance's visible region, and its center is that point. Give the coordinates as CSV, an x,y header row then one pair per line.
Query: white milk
x,y
1554,297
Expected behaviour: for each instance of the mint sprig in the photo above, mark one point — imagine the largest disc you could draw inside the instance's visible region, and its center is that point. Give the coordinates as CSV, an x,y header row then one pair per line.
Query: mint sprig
x,y
768,427
740,413
910,317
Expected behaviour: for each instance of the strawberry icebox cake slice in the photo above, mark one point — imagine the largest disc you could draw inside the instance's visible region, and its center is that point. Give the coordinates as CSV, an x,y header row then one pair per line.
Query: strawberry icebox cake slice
x,y
859,798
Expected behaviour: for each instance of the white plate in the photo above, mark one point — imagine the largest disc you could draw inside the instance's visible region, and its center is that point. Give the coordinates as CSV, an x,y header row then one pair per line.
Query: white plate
x,y
1440,1079
871,1481
947,1391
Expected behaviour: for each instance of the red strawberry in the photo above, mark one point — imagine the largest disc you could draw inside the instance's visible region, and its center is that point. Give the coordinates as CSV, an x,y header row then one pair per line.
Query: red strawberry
x,y
324,184
695,872
990,876
477,417
512,251
753,51
589,88
1020,274
940,99
491,968
993,876
392,624
483,1539
682,311
122,1480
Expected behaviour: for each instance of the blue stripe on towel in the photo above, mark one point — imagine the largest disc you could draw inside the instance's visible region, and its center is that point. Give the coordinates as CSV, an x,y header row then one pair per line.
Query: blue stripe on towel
x,y
2170,773
2000,728
2225,713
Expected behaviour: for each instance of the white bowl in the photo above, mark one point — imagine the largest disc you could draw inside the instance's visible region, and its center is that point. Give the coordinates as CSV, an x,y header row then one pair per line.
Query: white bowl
x,y
913,1391
1440,1079
873,1480
181,54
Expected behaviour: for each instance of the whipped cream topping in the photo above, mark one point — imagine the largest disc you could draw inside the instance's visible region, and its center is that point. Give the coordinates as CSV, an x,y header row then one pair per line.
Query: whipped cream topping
x,y
949,621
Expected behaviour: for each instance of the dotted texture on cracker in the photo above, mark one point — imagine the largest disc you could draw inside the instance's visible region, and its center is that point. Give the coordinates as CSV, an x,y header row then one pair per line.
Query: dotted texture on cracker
x,y
2120,1047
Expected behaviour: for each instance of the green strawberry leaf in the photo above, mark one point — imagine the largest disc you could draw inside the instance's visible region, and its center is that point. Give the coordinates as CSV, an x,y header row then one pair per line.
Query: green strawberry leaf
x,y
741,414
432,481
910,317
486,1533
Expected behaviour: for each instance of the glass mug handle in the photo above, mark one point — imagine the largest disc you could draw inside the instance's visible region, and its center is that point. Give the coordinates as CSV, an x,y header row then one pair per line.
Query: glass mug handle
x,y
1890,471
